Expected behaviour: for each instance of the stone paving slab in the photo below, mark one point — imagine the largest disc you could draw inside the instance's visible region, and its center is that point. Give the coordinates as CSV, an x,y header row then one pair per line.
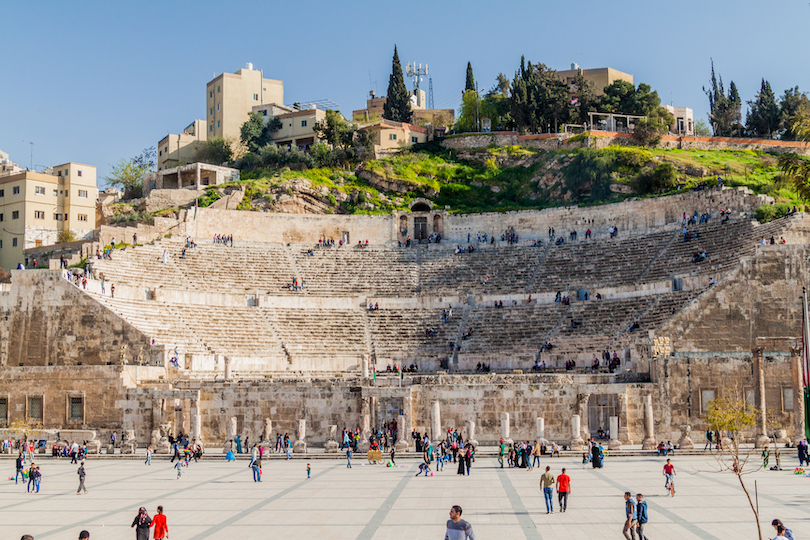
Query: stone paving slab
x,y
214,499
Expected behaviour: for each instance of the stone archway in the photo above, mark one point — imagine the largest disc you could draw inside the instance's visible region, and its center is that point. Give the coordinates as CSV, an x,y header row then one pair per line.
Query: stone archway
x,y
600,408
403,225
437,224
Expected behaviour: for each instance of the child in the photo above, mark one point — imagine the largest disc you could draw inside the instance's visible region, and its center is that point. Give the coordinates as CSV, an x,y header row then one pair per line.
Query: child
x,y
148,455
586,457
309,469
179,467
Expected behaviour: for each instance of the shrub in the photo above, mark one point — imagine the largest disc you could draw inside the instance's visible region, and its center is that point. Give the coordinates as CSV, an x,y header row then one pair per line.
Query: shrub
x,y
661,178
770,212
65,236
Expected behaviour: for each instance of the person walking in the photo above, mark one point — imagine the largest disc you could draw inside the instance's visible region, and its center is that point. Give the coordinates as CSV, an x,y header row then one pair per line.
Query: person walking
x,y
629,530
179,467
536,455
669,473
393,454
457,528
563,490
82,476
254,455
256,466
20,468
348,457
160,525
148,455
142,522
641,516
309,471
708,440
501,452
546,484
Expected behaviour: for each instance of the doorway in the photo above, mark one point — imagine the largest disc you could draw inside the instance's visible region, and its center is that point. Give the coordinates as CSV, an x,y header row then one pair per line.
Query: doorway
x,y
420,228
600,408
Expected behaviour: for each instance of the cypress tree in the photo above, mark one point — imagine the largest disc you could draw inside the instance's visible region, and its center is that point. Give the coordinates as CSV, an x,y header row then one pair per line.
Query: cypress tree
x,y
470,84
398,105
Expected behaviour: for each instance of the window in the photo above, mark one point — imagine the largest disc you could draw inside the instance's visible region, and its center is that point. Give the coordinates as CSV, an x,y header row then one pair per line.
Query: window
x,y
38,214
82,217
303,123
211,94
16,190
750,398
15,214
35,408
66,217
2,192
1,244
38,243
264,112
39,190
218,89
3,410
392,136
414,140
210,128
57,217
218,106
787,399
66,172
13,242
255,97
82,193
217,123
160,153
78,173
705,397
1,217
76,408
211,111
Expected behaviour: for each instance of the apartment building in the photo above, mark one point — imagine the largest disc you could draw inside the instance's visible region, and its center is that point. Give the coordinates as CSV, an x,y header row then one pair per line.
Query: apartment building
x,y
178,149
230,97
297,125
36,206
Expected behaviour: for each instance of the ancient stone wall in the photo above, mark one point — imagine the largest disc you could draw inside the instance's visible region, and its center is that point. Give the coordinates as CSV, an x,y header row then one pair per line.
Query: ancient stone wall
x,y
50,323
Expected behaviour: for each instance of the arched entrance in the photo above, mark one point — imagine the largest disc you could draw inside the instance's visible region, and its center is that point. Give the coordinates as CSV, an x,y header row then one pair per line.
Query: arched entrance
x,y
600,408
420,226
437,224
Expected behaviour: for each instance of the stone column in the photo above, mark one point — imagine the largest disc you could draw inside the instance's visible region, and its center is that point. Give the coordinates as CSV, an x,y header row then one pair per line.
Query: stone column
x,y
541,430
614,443
505,429
649,425
759,376
196,420
197,178
685,442
365,425
624,429
267,431
331,446
435,421
798,394
227,368
403,433
300,445
230,434
582,406
364,366
471,434
576,443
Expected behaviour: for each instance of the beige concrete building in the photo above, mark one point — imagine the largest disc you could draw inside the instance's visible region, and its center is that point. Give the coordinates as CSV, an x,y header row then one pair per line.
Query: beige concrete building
x,y
230,97
194,176
387,135
297,126
181,148
36,207
600,77
684,120
7,166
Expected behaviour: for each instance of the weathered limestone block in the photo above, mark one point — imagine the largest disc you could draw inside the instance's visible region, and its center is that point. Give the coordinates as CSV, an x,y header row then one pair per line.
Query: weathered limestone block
x,y
331,446
505,429
685,442
267,431
129,443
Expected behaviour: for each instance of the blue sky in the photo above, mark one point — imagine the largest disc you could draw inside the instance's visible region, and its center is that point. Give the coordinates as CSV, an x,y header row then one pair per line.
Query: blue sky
x,y
94,82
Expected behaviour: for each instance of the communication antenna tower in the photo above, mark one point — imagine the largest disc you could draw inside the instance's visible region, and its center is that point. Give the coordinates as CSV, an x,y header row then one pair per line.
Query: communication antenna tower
x,y
416,73
430,93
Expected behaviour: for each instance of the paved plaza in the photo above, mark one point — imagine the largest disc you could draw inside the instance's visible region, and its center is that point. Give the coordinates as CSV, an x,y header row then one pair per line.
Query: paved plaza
x,y
216,499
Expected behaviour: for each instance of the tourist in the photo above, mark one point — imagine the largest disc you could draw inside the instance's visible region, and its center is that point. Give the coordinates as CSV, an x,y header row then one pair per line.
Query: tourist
x,y
348,456
424,467
641,516
179,468
142,522
630,516
148,455
804,455
160,525
254,455
393,454
457,528
669,473
82,475
708,440
563,490
536,454
309,470
256,467
20,468
785,532
546,484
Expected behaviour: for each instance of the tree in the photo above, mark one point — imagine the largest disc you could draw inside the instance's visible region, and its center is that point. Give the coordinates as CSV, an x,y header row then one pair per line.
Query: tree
x,y
129,173
501,85
648,131
467,117
398,104
618,97
335,130
590,172
724,110
519,98
796,169
65,236
470,83
216,151
793,108
586,100
763,117
732,415
702,129
255,133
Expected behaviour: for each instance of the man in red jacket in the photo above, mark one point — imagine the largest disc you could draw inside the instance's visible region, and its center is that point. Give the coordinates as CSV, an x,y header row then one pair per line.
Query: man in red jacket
x,y
159,523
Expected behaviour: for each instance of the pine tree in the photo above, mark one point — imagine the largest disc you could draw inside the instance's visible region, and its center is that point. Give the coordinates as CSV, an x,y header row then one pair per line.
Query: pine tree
x,y
763,116
470,84
724,110
398,104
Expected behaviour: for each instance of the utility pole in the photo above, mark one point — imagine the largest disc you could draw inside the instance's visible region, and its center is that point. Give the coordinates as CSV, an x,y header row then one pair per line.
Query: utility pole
x,y
32,156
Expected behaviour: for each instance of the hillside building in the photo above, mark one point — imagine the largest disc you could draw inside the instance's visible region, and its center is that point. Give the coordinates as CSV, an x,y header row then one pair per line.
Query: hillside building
x,y
600,77
36,207
421,114
230,97
297,125
684,120
180,148
387,135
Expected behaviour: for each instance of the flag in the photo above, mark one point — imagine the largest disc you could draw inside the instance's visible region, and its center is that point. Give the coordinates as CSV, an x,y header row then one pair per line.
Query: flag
x,y
575,102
